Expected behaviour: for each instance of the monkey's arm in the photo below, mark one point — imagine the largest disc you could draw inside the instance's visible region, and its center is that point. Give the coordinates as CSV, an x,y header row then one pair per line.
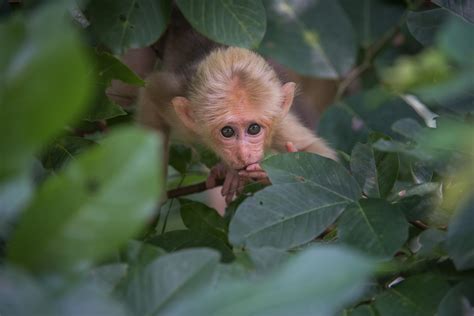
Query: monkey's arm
x,y
290,130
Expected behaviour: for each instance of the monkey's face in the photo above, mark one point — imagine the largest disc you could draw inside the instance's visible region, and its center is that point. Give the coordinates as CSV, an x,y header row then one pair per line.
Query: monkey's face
x,y
240,142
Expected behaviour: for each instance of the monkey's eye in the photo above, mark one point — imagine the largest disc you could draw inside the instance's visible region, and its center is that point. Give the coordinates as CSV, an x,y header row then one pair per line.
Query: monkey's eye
x,y
227,131
254,129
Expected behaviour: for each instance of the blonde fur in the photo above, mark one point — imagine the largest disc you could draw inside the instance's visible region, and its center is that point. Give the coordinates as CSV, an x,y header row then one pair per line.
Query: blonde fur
x,y
224,76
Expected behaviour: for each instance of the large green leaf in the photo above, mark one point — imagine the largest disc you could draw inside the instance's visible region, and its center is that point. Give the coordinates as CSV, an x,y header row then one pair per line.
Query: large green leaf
x,y
170,277
416,296
93,206
372,18
458,300
374,226
375,171
464,8
43,87
318,281
183,239
202,218
313,38
235,23
308,194
123,24
20,294
457,40
460,240
424,25
37,54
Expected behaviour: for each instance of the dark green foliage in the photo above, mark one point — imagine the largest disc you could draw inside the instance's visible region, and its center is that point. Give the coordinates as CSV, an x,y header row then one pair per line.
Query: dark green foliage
x,y
386,231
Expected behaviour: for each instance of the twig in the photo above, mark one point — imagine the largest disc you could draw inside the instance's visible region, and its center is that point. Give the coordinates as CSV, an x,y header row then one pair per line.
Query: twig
x,y
190,189
369,57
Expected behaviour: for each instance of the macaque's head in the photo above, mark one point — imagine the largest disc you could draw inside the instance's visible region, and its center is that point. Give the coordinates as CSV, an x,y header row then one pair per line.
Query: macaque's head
x,y
233,104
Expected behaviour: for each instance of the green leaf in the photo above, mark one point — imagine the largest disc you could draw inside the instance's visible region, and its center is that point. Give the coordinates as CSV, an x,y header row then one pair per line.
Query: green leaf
x,y
308,194
235,23
460,240
317,281
314,38
416,296
38,53
374,226
464,8
375,171
459,300
122,24
139,253
430,242
180,157
184,239
457,40
268,258
372,18
83,214
57,297
424,25
108,68
202,218
63,150
341,127
362,310
170,277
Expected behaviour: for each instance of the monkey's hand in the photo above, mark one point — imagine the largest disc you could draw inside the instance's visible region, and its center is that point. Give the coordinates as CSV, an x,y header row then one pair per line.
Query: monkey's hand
x,y
255,171
233,183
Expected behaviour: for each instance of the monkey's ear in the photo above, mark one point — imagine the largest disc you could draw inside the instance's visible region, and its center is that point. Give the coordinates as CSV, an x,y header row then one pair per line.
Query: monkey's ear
x,y
183,109
288,91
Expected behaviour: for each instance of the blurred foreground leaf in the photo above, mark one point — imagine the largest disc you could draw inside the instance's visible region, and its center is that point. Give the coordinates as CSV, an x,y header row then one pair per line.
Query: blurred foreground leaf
x,y
93,206
318,281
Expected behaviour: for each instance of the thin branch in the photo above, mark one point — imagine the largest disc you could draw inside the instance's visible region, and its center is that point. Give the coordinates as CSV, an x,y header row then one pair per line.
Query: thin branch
x,y
190,189
369,57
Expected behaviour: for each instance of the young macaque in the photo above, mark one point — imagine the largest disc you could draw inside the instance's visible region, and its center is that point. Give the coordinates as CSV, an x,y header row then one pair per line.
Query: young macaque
x,y
232,101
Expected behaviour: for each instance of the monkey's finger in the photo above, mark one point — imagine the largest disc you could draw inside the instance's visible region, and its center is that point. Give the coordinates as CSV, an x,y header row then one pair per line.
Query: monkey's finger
x,y
290,147
242,182
227,183
253,174
211,180
234,185
228,198
254,167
